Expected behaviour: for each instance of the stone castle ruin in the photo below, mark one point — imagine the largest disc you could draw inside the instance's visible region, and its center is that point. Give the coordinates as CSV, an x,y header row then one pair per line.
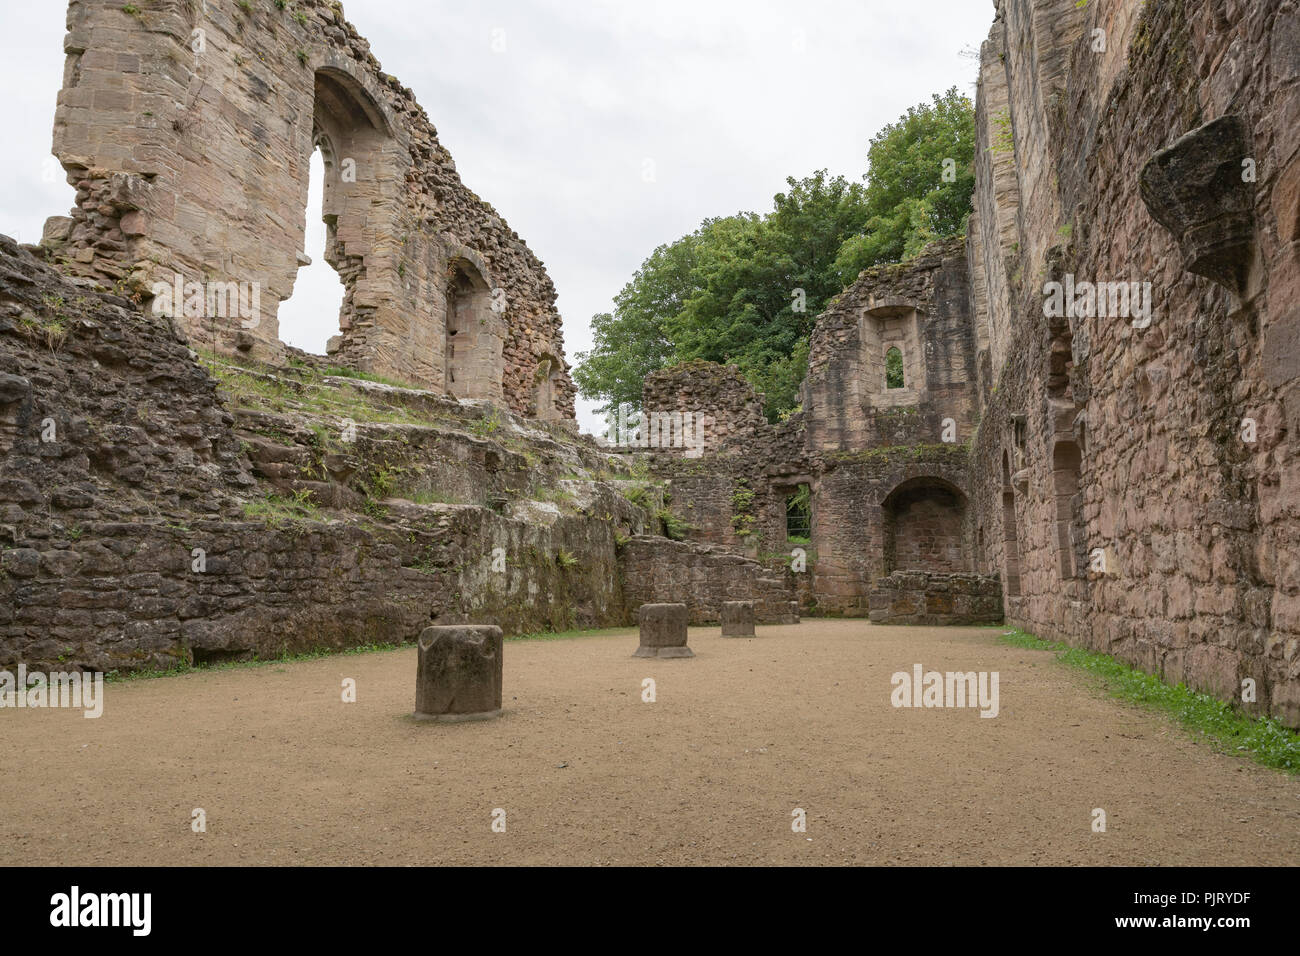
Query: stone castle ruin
x,y
1092,436
188,127
1117,477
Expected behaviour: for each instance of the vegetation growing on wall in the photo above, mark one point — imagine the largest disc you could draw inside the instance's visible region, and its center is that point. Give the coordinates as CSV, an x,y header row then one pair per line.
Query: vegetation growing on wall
x,y
742,506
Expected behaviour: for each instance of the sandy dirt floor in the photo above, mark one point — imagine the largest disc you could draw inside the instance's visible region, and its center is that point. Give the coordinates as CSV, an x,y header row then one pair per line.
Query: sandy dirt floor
x,y
589,773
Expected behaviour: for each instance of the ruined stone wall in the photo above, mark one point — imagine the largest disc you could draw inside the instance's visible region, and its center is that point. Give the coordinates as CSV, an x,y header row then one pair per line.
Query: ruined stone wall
x,y
133,530
659,571
922,308
703,501
853,500
187,129
896,498
920,597
1113,484
732,412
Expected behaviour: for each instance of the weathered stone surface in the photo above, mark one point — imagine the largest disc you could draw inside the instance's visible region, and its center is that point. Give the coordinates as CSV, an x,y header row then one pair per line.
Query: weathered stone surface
x,y
1099,467
663,631
459,673
439,291
134,487
1078,439
655,570
1199,190
1196,524
726,411
925,597
919,308
738,619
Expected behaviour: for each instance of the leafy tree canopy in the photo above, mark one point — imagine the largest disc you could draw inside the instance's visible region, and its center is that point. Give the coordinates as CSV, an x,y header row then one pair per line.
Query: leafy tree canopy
x,y
908,205
746,289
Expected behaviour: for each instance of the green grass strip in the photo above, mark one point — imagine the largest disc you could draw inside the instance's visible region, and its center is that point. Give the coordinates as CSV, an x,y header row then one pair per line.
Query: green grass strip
x,y
1264,739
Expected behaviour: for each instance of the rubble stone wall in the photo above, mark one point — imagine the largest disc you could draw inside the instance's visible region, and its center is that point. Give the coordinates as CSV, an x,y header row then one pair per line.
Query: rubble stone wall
x,y
660,571
887,473
920,307
725,406
920,597
130,529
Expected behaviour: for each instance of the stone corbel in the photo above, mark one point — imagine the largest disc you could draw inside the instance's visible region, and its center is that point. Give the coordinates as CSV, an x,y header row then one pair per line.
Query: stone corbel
x,y
1198,190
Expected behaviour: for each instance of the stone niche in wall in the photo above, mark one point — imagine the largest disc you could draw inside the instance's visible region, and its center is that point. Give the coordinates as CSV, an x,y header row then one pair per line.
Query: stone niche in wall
x,y
474,341
882,329
546,388
924,524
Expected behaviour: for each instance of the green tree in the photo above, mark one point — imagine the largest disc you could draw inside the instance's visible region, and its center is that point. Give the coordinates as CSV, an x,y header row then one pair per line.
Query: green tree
x,y
763,281
910,201
894,369
741,289
747,289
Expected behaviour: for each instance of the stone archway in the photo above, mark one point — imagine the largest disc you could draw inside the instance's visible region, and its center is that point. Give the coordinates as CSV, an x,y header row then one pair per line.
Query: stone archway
x,y
355,144
472,351
924,524
546,381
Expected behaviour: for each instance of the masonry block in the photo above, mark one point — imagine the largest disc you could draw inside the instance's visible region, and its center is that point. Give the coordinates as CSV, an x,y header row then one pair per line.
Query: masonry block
x,y
663,631
458,673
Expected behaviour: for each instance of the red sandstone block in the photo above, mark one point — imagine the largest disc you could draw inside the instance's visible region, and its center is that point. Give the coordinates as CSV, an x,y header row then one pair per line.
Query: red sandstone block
x,y
1286,203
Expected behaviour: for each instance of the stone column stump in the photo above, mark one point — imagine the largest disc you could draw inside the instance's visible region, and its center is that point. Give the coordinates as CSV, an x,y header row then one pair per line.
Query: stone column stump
x,y
663,631
737,618
458,674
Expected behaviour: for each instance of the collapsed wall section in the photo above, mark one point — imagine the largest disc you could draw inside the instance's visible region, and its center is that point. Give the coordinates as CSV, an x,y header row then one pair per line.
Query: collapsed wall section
x,y
149,518
926,597
659,571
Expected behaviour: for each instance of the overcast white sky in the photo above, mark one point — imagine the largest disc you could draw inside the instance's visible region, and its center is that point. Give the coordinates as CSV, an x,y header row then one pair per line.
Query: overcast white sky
x,y
725,97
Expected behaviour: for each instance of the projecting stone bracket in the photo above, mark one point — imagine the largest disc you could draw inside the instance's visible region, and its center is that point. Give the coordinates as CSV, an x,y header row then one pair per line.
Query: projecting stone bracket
x,y
1198,189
